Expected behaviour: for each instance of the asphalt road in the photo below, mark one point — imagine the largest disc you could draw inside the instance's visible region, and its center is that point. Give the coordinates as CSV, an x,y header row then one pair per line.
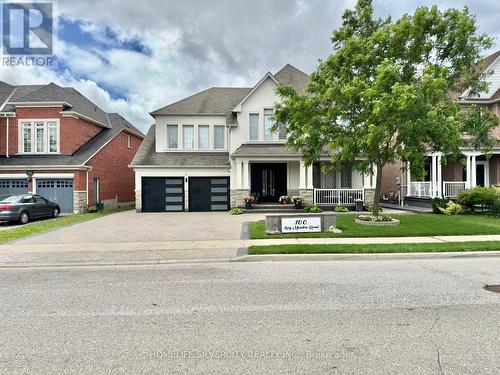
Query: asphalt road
x,y
361,317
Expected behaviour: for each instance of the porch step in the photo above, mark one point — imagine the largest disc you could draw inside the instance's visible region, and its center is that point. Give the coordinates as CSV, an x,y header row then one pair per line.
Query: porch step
x,y
272,208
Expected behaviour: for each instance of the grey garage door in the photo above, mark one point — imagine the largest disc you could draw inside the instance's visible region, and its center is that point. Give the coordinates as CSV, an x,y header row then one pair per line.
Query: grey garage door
x,y
19,186
57,190
161,194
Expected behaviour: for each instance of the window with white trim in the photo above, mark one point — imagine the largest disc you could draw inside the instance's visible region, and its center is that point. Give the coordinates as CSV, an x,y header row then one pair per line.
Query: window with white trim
x,y
172,136
268,124
203,137
39,137
187,137
129,141
219,137
254,126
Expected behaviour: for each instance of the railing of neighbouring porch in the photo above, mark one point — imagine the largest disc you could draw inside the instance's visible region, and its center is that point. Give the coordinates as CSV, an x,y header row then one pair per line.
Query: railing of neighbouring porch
x,y
338,197
419,189
451,189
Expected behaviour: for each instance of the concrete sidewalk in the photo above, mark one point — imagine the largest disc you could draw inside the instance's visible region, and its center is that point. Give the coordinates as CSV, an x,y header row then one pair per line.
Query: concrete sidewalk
x,y
193,251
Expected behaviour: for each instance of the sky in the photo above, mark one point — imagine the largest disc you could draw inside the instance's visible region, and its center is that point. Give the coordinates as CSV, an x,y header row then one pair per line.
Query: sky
x,y
133,57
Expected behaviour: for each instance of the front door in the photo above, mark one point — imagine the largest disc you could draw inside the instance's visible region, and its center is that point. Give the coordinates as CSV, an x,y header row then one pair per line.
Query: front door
x,y
269,181
480,175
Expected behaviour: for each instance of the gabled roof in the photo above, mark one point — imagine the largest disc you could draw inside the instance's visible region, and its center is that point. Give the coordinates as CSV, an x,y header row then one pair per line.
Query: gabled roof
x,y
213,101
82,155
70,97
225,100
489,63
147,156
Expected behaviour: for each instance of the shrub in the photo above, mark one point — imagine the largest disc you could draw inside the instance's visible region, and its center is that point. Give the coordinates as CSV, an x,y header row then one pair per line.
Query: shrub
x,y
495,207
341,209
452,208
92,209
377,218
235,211
479,196
438,203
312,209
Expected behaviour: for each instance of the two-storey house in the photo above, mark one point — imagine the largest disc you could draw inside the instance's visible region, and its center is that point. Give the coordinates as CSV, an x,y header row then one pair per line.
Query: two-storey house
x,y
57,143
210,150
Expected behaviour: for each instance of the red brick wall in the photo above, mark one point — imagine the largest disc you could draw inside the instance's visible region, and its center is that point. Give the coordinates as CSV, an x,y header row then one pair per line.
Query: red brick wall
x,y
389,175
73,132
110,165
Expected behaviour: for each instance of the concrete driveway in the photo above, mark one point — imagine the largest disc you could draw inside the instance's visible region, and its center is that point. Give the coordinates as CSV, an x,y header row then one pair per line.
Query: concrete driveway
x,y
130,226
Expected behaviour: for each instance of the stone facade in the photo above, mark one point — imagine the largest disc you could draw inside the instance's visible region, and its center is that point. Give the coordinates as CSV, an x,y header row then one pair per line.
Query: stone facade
x,y
138,200
293,193
237,196
369,196
307,196
79,202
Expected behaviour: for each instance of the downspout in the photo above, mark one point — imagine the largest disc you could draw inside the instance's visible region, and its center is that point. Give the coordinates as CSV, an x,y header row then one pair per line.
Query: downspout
x,y
7,140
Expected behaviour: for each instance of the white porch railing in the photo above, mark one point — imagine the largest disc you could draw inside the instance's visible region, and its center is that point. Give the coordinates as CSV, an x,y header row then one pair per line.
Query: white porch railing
x,y
419,188
451,189
338,197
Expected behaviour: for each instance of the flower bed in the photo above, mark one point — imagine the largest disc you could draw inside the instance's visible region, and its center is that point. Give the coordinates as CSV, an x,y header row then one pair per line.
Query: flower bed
x,y
378,220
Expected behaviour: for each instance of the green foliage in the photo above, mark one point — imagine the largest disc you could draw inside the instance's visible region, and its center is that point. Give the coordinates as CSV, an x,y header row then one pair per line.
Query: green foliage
x,y
438,203
92,209
235,211
312,209
485,197
383,94
452,208
495,208
341,209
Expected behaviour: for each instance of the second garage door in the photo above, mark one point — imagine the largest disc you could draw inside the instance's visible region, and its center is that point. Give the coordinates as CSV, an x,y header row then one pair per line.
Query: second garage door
x,y
208,193
59,191
19,186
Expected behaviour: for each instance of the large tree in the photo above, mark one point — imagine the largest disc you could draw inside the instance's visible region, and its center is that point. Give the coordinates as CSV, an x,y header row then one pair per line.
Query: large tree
x,y
384,94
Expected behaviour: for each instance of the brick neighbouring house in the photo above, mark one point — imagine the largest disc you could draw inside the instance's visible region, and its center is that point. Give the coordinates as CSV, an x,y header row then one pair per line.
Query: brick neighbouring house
x,y
77,153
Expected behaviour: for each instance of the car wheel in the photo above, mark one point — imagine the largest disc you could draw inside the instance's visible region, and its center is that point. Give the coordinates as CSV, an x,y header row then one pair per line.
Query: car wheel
x,y
24,217
55,213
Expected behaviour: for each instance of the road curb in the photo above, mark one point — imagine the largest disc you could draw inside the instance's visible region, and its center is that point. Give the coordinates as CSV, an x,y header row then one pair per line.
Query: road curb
x,y
365,257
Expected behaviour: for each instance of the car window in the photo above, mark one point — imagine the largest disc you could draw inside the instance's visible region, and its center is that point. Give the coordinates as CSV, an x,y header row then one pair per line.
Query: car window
x,y
27,199
39,199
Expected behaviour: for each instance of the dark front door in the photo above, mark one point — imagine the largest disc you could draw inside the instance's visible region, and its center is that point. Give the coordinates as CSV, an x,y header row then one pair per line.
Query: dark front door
x,y
269,181
480,175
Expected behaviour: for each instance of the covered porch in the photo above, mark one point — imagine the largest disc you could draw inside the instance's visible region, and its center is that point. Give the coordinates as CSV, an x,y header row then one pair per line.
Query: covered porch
x,y
447,181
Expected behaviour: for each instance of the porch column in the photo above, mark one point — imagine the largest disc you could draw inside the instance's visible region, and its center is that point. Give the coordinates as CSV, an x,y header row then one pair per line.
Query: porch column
x,y
408,178
246,172
302,176
439,177
433,192
237,174
309,177
473,171
467,172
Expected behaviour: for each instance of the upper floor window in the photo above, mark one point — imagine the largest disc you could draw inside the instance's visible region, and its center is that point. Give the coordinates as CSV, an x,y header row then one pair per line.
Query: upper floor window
x,y
129,141
268,124
203,137
219,137
39,137
172,136
187,137
281,132
254,126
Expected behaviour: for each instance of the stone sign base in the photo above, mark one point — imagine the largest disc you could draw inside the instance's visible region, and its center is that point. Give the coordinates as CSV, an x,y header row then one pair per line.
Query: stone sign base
x,y
300,223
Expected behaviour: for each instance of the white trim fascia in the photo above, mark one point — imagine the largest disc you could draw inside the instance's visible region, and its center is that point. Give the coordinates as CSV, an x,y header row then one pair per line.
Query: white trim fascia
x,y
43,168
133,133
37,175
136,167
8,114
80,116
237,108
7,100
39,104
477,101
485,70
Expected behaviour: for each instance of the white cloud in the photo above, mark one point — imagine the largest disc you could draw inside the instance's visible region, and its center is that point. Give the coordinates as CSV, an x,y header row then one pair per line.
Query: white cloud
x,y
195,44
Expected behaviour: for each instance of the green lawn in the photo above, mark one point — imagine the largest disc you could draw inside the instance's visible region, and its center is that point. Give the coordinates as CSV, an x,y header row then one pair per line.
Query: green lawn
x,y
411,225
375,248
50,224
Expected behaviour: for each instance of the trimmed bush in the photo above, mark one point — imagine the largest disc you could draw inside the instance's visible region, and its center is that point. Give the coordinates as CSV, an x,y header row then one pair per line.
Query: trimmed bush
x,y
452,209
341,209
312,210
438,203
495,208
235,211
485,197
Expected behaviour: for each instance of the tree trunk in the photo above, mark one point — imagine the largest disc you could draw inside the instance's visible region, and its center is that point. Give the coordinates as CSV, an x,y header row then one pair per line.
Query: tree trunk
x,y
378,189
